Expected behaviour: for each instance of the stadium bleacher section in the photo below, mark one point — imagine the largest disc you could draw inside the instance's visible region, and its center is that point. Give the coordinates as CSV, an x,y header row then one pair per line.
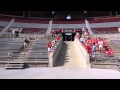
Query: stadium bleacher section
x,y
38,51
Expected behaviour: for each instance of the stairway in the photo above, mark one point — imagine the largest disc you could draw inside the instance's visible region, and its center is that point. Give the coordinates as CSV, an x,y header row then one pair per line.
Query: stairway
x,y
103,62
16,60
107,62
114,47
104,65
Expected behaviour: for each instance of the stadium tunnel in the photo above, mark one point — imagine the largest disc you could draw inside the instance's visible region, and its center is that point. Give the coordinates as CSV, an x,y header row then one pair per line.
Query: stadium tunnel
x,y
68,34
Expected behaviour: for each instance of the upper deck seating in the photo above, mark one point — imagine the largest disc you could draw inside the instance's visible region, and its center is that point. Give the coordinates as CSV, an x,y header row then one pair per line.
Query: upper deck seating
x,y
104,19
105,30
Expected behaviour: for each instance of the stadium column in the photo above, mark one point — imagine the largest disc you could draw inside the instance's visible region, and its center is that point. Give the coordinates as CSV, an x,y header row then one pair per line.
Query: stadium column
x,y
110,13
50,61
23,13
26,14
116,13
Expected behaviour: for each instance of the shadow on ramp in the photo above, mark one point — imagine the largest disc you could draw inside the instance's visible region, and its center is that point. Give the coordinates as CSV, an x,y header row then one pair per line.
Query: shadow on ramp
x,y
62,57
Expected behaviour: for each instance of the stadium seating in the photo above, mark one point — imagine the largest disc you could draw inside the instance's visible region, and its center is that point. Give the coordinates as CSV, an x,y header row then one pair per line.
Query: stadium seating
x,y
105,30
104,19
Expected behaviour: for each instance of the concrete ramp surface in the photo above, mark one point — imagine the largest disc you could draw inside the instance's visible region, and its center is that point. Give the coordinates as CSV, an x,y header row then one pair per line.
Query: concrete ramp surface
x,y
69,57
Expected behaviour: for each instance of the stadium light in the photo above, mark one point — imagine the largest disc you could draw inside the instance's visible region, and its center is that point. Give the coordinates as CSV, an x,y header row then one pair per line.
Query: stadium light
x,y
85,12
53,12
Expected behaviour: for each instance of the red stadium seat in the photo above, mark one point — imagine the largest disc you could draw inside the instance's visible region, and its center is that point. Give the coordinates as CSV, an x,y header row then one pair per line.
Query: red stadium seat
x,y
111,52
110,49
88,41
106,53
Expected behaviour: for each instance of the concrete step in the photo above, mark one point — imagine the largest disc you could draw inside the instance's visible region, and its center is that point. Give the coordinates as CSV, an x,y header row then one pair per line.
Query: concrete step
x,y
105,66
116,52
115,48
27,61
17,58
14,65
104,63
18,55
38,60
15,62
9,65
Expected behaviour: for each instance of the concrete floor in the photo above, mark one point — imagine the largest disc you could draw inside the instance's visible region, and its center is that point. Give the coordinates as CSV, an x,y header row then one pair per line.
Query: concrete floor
x,y
59,73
